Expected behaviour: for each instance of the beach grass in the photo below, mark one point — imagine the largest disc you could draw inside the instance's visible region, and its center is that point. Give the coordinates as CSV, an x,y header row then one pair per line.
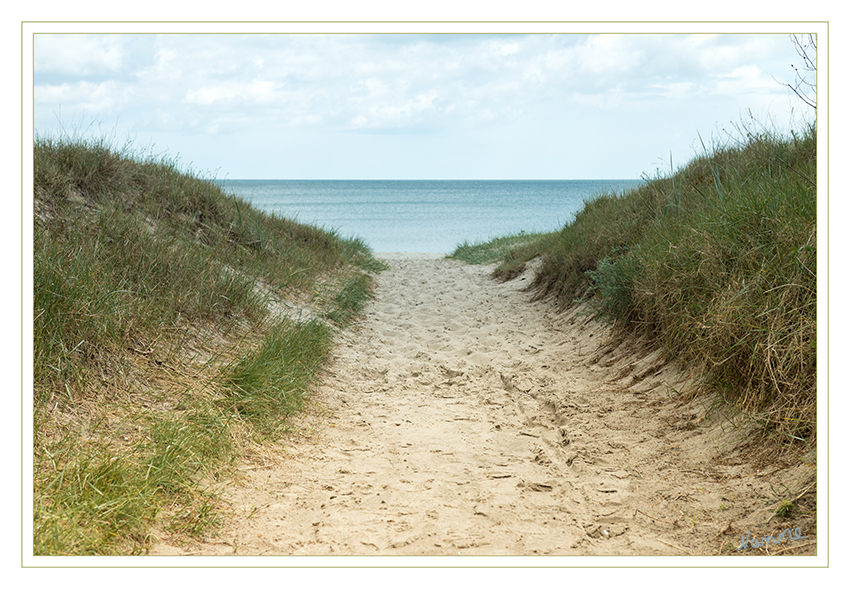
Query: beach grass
x,y
511,252
274,378
715,263
167,340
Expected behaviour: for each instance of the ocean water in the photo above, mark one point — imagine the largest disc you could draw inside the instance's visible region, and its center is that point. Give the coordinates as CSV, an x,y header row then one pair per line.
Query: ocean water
x,y
425,215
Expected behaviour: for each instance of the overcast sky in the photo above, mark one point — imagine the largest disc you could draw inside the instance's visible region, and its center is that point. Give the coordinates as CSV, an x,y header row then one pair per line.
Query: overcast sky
x,y
453,106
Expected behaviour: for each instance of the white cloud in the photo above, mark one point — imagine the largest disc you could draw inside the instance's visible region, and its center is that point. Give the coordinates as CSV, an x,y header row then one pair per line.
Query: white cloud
x,y
604,55
77,55
274,88
239,94
83,96
746,78
675,90
165,70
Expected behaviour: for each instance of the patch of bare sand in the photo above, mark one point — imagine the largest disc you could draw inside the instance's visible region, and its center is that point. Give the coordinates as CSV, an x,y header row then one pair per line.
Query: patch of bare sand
x,y
460,418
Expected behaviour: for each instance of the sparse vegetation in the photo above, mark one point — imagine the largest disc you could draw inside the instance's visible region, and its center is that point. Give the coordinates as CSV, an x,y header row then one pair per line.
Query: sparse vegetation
x,y
167,340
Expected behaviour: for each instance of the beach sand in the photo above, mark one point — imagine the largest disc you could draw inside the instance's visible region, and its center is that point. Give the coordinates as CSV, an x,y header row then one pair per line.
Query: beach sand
x,y
461,418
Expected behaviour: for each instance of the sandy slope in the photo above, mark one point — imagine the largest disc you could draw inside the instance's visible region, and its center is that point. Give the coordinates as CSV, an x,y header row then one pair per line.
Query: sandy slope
x,y
461,419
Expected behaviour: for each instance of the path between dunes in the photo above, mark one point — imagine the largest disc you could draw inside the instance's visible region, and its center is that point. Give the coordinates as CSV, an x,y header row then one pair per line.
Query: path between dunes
x,y
460,418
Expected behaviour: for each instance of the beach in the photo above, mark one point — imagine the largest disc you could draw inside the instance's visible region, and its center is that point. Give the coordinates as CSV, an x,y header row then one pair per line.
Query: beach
x,y
461,417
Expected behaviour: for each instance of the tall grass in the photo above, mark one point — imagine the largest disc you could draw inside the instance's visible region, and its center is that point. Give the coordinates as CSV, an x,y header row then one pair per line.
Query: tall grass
x,y
717,264
274,378
93,497
156,356
733,285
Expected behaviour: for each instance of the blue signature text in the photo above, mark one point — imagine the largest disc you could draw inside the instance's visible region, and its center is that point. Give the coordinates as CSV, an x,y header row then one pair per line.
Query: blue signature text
x,y
756,542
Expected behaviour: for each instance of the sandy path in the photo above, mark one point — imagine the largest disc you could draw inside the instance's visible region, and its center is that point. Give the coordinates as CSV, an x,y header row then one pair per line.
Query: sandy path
x,y
461,419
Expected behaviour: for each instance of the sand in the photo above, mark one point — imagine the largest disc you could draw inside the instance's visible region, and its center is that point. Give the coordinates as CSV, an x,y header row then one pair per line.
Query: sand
x,y
460,418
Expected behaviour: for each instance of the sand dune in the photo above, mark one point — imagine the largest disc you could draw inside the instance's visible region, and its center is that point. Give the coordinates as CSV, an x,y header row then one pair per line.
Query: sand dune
x,y
460,418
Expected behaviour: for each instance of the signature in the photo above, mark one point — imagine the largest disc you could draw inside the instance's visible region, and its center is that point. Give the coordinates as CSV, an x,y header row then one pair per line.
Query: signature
x,y
756,542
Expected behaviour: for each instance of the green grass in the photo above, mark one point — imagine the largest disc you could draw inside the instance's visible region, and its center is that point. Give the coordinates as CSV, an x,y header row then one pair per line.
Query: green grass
x,y
349,299
273,379
96,497
716,263
157,360
512,252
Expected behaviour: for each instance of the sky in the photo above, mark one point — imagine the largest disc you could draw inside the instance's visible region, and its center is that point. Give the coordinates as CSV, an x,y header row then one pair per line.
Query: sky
x,y
416,106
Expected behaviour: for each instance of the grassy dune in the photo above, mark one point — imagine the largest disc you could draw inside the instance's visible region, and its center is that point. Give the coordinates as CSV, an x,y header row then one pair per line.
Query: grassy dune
x,y
716,263
176,328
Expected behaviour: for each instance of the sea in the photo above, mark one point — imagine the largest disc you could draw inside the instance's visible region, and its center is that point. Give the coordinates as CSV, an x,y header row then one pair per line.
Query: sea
x,y
428,216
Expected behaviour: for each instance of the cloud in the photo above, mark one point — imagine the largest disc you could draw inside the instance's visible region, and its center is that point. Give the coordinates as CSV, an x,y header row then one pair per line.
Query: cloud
x,y
273,88
78,55
748,78
241,94
321,79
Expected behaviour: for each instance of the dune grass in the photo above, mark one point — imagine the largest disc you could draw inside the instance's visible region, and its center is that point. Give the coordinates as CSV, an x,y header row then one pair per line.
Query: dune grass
x,y
158,355
273,379
512,252
716,263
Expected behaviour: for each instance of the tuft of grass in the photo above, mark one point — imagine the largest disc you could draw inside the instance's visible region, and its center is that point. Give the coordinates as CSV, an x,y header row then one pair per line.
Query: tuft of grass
x,y
785,508
511,252
95,496
157,359
350,299
273,380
